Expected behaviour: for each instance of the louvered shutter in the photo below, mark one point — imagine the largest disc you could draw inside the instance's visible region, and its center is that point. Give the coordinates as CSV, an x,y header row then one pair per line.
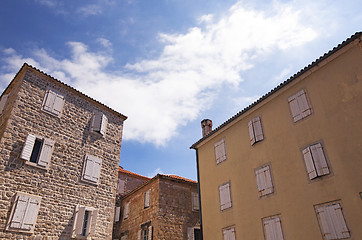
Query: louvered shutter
x,y
97,121
225,199
220,152
319,159
269,188
103,125
3,101
190,233
92,168
78,220
139,235
28,147
126,211
19,212
147,199
195,201
258,130
294,108
93,222
309,163
273,229
46,152
31,214
117,212
333,223
251,132
260,181
278,229
303,104
120,186
96,169
58,104
49,100
150,232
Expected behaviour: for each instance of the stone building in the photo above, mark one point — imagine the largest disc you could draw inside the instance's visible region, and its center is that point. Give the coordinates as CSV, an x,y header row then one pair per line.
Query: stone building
x,y
59,155
289,165
165,207
127,181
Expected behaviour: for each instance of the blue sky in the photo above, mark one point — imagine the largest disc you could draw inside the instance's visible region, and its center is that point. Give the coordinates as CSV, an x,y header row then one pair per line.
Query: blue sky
x,y
168,64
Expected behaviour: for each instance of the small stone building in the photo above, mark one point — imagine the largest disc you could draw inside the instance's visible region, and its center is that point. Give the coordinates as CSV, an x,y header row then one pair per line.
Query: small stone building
x,y
165,207
127,181
59,155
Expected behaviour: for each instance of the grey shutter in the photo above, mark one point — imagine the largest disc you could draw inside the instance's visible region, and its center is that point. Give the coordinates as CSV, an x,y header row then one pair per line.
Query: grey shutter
x,y
92,168
251,132
260,181
269,188
309,163
195,201
120,186
19,212
303,104
278,229
294,108
46,152
93,222
264,182
96,169
190,233
126,211
220,151
28,147
49,100
31,214
225,199
273,229
150,232
319,159
97,121
3,101
258,130
336,214
103,125
58,104
117,212
78,220
139,235
147,198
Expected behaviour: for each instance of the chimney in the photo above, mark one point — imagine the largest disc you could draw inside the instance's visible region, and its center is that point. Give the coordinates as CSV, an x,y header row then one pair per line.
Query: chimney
x,y
206,126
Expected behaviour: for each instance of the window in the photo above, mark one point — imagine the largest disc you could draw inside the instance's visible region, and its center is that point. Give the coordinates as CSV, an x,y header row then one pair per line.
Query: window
x,y
229,234
84,222
315,161
264,181
53,102
37,151
147,199
225,197
146,232
299,106
332,222
117,212
193,233
220,151
91,169
99,123
255,130
120,186
126,211
24,213
3,101
195,201
124,236
273,228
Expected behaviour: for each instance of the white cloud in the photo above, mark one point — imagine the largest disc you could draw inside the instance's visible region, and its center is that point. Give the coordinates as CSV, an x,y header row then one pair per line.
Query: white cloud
x,y
92,9
155,172
159,95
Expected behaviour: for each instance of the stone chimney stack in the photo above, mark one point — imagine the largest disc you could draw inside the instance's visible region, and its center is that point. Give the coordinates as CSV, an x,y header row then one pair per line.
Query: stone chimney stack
x,y
206,126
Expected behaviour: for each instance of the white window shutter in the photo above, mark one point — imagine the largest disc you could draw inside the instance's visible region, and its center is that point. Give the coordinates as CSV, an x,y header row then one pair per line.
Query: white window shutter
x,y
93,222
117,214
303,104
58,104
99,122
264,182
3,101
251,132
195,201
150,232
260,181
309,163
294,108
268,181
190,233
139,235
103,125
19,212
46,152
28,147
319,159
336,216
220,152
96,169
49,100
92,168
126,211
31,214
273,229
147,198
225,199
258,130
278,229
78,220
120,186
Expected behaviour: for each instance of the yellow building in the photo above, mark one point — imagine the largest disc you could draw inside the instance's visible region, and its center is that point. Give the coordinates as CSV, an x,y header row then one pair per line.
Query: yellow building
x,y
289,166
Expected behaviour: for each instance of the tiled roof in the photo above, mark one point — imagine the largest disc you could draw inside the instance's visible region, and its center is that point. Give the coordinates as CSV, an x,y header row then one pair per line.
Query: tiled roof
x,y
73,89
179,178
357,35
121,170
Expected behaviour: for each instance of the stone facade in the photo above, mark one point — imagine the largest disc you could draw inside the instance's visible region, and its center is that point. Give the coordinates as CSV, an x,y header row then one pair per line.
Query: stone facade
x,y
171,213
127,181
58,193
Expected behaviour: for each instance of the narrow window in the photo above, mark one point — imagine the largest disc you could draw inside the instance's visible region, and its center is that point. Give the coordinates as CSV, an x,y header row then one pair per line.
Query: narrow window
x,y
220,151
195,201
85,223
332,223
36,150
255,130
299,106
146,232
225,196
147,199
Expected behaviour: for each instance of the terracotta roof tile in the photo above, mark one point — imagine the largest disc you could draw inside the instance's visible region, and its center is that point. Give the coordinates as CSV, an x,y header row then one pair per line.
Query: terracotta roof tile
x,y
120,169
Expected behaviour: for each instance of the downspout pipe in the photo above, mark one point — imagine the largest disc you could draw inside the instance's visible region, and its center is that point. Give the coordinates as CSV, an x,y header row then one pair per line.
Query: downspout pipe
x,y
198,188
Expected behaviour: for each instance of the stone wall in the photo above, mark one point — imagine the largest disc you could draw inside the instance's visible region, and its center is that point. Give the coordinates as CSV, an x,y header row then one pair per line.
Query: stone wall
x,y
60,186
130,181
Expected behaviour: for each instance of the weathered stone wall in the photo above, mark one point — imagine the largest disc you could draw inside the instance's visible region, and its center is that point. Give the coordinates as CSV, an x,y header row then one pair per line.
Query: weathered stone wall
x,y
175,213
60,186
130,182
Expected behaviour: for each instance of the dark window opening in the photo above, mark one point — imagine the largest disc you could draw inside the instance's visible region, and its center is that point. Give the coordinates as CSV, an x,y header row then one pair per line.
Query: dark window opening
x,y
85,223
36,150
145,231
197,234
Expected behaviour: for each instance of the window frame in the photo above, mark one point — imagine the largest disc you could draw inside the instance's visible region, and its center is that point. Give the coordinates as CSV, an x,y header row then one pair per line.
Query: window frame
x,y
53,105
332,223
15,205
44,155
78,222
